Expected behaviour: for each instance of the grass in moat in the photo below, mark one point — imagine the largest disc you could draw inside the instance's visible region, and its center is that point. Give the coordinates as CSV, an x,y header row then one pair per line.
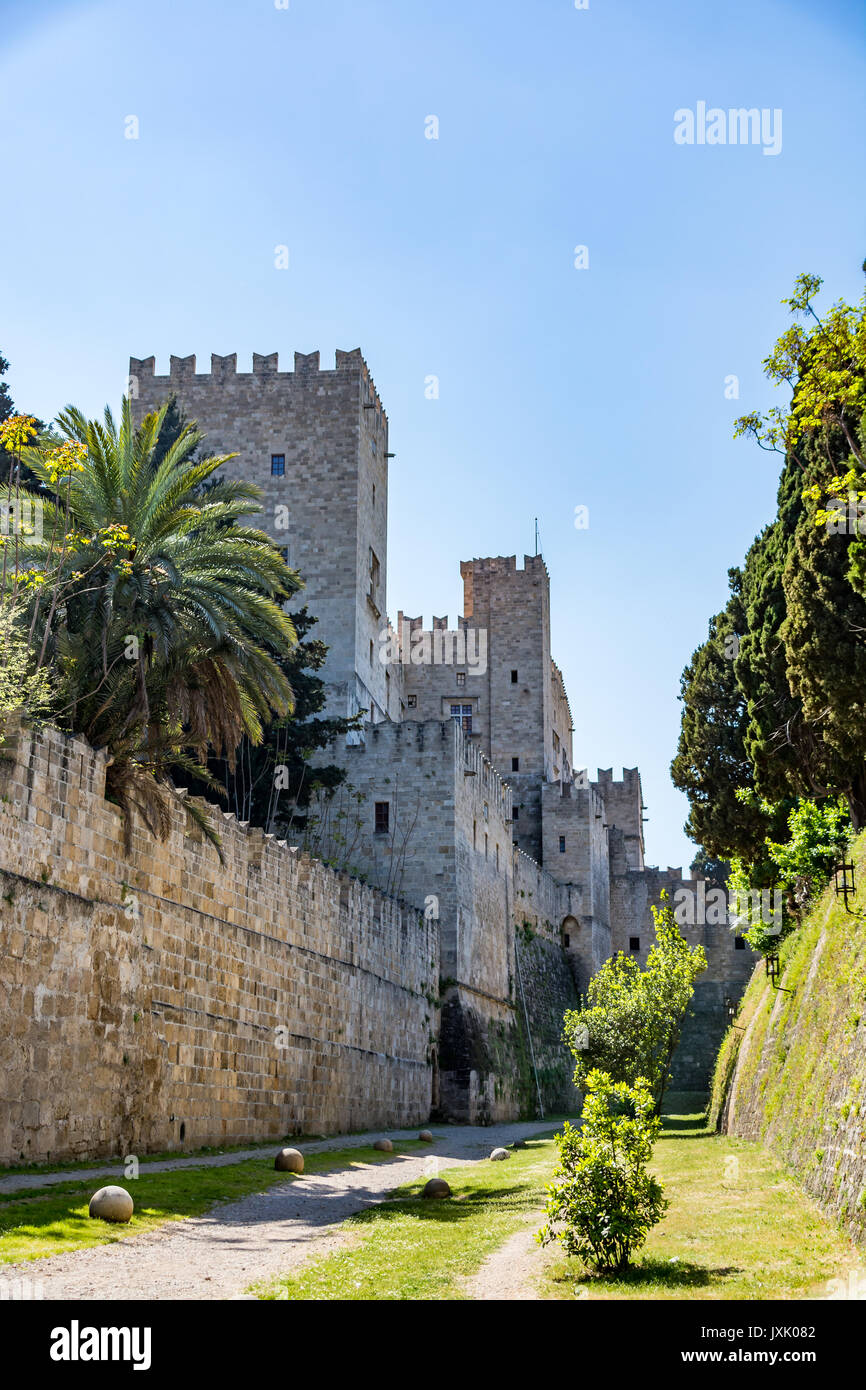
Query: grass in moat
x,y
738,1227
412,1248
51,1221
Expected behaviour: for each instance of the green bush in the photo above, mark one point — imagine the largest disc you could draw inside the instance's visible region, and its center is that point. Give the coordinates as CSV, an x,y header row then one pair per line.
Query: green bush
x,y
602,1201
632,1024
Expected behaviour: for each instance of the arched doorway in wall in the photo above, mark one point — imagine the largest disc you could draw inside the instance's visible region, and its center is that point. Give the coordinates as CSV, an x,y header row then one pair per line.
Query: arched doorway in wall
x,y
568,932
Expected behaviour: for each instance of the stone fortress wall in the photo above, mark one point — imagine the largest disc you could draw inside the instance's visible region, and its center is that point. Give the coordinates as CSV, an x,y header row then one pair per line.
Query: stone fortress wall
x,y
160,1000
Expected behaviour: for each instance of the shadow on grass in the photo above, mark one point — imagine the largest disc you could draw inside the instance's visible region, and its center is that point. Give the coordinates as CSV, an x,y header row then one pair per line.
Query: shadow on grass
x,y
656,1272
685,1127
456,1208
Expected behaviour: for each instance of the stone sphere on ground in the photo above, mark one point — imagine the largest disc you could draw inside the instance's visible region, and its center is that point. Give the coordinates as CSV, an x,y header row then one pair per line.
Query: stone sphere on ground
x,y
289,1161
436,1187
425,1136
111,1204
499,1154
385,1145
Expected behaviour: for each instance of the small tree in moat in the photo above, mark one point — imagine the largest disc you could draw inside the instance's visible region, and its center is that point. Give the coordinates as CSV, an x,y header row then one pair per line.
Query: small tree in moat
x,y
602,1201
634,1017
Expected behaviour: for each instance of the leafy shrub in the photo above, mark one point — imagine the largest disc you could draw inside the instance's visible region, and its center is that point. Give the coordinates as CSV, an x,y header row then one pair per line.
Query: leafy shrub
x,y
602,1201
632,1024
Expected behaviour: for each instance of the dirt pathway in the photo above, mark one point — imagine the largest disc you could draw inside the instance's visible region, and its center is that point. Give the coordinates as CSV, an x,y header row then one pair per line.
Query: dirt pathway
x,y
510,1273
219,1255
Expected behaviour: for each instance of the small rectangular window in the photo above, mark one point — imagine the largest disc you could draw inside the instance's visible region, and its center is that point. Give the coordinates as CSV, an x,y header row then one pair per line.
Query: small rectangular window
x,y
514,812
634,943
464,714
739,943
515,764
284,551
513,677
383,811
412,701
566,939
562,844
497,856
278,465
461,677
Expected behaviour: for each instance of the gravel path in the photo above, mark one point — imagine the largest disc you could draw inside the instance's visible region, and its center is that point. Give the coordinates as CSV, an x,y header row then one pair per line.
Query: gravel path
x,y
19,1182
219,1255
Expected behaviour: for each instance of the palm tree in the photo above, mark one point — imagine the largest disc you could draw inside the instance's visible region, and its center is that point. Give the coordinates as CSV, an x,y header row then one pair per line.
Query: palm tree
x,y
158,612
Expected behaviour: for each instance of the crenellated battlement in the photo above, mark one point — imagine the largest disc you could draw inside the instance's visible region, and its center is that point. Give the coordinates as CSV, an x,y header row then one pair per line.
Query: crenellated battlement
x,y
306,371
504,564
630,778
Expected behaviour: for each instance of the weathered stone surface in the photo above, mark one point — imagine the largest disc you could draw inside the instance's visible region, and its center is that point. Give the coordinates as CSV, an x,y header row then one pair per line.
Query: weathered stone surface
x,y
263,997
384,1145
436,1187
289,1161
425,1136
111,1204
498,1154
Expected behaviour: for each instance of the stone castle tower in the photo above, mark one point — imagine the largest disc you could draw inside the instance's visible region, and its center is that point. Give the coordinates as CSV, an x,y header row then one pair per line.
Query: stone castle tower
x,y
316,442
469,760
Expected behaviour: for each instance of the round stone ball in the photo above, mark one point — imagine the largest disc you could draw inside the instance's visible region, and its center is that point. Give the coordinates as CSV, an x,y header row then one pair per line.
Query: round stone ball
x,y
425,1136
289,1161
499,1154
385,1145
436,1187
111,1204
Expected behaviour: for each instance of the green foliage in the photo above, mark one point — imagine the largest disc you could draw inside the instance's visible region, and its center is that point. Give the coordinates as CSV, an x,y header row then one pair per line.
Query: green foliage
x,y
158,612
711,761
602,1201
272,784
24,691
799,865
802,1060
7,407
632,1022
786,718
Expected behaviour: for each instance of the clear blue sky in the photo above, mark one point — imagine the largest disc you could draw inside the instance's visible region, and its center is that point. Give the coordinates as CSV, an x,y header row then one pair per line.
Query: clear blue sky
x,y
604,387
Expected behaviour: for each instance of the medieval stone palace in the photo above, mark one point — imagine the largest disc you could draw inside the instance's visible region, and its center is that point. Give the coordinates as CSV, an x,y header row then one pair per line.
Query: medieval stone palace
x,y
173,1000
470,731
